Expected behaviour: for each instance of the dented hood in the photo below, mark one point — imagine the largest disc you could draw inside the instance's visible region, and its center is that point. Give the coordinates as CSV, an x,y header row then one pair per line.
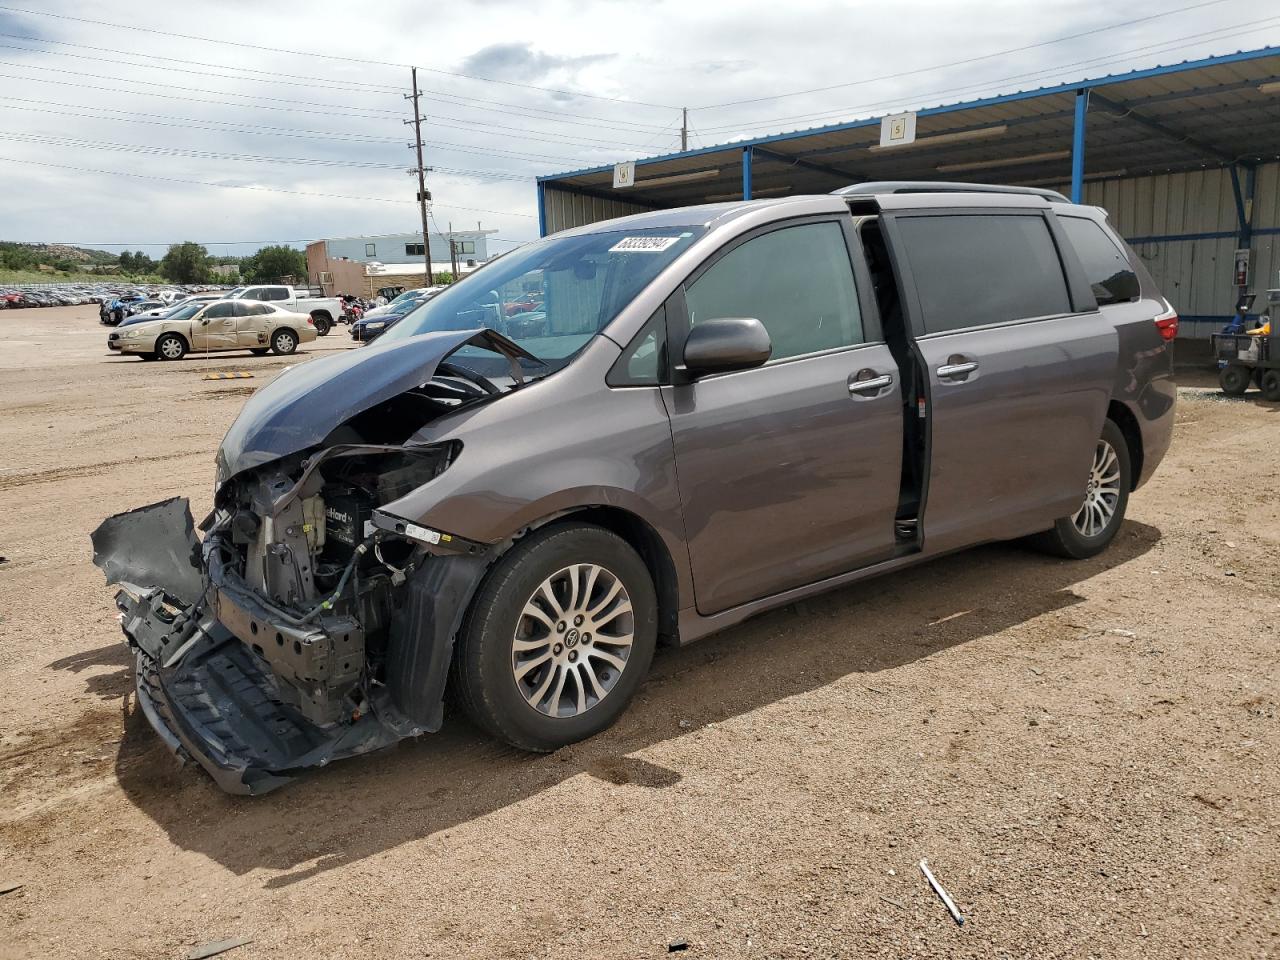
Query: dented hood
x,y
304,405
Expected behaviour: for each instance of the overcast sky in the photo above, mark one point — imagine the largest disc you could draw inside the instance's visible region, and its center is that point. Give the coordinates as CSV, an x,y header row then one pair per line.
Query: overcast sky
x,y
506,87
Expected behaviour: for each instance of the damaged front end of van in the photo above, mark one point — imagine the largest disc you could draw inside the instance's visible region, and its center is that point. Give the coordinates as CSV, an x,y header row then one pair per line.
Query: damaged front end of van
x,y
312,620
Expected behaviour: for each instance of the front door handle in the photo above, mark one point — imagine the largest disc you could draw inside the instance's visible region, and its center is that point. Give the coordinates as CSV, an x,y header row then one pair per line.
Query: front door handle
x,y
868,382
957,370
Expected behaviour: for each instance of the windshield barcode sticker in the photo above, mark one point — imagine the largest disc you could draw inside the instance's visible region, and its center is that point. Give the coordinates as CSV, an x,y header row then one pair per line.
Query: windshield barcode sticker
x,y
643,244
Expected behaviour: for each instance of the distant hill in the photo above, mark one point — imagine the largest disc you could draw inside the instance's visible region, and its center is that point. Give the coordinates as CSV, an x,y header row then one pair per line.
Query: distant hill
x,y
55,252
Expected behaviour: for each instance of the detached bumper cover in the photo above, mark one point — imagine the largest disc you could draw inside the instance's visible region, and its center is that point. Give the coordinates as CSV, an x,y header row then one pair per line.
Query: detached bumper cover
x,y
218,707
210,697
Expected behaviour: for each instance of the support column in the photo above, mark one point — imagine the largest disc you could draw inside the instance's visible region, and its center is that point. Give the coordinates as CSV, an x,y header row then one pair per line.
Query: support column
x,y
1077,147
746,173
542,209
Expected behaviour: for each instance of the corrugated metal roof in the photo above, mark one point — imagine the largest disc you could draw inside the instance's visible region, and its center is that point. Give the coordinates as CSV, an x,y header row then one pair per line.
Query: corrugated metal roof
x,y
1184,116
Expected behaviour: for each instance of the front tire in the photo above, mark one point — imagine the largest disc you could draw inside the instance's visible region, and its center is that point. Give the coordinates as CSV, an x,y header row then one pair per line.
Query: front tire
x,y
170,346
259,351
284,342
558,639
1090,529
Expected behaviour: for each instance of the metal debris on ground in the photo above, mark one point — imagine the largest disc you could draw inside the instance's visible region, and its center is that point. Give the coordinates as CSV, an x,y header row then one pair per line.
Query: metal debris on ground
x,y
10,886
216,947
937,888
675,946
239,375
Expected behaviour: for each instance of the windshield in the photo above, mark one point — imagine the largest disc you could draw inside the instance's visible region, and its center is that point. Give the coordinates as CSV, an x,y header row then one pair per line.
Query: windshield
x,y
553,295
186,311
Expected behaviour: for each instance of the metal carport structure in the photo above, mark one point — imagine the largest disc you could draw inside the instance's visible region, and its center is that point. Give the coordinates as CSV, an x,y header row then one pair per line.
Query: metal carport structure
x,y
1182,156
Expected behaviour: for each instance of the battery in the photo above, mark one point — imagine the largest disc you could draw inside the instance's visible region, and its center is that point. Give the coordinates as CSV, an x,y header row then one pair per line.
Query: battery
x,y
346,511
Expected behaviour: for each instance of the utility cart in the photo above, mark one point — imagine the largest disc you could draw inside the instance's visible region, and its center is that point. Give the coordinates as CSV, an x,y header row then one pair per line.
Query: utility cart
x,y
1245,359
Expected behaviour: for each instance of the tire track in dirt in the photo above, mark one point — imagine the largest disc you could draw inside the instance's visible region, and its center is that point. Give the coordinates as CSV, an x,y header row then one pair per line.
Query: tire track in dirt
x,y
14,480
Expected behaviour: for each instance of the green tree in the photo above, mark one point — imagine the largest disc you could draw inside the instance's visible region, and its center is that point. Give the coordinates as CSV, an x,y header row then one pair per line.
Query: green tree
x,y
272,263
186,263
126,261
142,263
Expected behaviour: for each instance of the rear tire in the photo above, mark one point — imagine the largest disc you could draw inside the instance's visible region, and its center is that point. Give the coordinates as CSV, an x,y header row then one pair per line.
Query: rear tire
x,y
1234,380
284,342
170,346
1271,386
322,324
558,639
1088,531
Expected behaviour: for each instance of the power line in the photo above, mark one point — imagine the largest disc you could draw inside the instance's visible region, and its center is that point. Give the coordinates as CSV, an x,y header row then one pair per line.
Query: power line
x,y
269,74
187,99
133,28
272,77
172,86
311,82
162,150
222,126
238,186
968,60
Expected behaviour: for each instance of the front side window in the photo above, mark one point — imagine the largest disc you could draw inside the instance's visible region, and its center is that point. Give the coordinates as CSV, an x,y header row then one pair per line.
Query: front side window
x,y
974,271
550,296
797,281
1105,265
219,310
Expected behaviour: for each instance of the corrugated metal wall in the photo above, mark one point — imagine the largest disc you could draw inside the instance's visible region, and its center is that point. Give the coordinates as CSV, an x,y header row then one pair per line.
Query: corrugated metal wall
x,y
1166,219
564,209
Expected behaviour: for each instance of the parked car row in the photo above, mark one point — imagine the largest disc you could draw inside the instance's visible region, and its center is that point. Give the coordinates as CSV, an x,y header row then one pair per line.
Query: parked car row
x,y
21,296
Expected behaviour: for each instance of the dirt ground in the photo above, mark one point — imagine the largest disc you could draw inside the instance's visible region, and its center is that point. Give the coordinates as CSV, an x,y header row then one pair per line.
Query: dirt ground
x,y
1087,753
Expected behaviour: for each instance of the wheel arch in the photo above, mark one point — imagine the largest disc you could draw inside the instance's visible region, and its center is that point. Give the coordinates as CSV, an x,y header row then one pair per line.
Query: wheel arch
x,y
1124,418
186,341
641,536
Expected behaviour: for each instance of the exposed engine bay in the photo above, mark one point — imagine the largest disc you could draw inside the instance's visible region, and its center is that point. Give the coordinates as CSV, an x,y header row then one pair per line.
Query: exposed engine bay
x,y
308,624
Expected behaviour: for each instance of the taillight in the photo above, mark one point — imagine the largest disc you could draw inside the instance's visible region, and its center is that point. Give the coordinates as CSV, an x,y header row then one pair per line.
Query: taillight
x,y
312,322
1167,322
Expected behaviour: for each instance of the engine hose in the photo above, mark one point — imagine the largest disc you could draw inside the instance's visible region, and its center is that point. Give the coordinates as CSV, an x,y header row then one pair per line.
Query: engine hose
x,y
328,602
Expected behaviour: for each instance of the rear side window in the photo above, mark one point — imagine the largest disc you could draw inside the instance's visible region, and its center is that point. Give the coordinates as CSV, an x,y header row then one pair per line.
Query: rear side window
x,y
260,310
974,271
797,281
1105,264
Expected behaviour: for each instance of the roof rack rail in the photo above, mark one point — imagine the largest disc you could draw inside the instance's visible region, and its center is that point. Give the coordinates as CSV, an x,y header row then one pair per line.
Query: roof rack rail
x,y
933,186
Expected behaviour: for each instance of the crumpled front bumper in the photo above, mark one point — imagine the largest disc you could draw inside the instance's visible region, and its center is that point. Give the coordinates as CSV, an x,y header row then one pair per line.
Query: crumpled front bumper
x,y
218,707
209,695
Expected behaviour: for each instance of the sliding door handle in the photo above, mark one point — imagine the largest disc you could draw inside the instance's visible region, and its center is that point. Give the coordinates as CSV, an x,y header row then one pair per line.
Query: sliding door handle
x,y
868,383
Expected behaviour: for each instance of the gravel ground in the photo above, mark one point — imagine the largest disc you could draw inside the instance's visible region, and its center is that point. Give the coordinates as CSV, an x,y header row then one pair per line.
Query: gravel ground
x,y
1087,753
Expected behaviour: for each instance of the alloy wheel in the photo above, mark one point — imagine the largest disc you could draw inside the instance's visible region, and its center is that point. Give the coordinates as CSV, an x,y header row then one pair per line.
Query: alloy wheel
x,y
572,640
1102,493
171,348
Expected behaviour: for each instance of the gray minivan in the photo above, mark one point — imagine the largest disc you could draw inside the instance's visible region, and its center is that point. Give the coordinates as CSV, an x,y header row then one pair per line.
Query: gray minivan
x,y
641,430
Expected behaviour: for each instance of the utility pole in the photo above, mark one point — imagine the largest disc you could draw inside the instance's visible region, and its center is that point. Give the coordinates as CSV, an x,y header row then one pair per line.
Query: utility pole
x,y
684,129
423,196
453,252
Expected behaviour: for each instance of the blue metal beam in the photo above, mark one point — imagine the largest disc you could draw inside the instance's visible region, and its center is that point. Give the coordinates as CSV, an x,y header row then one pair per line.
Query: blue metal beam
x,y
1242,56
1077,146
542,210
746,173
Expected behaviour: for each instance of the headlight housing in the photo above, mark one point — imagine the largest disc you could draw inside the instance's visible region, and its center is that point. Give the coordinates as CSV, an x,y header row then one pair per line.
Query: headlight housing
x,y
376,325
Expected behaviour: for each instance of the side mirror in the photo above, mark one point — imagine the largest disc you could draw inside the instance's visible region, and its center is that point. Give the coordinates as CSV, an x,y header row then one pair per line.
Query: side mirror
x,y
727,343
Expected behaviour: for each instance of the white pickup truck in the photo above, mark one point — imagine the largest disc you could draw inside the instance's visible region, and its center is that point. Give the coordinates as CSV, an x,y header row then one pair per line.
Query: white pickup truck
x,y
324,311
